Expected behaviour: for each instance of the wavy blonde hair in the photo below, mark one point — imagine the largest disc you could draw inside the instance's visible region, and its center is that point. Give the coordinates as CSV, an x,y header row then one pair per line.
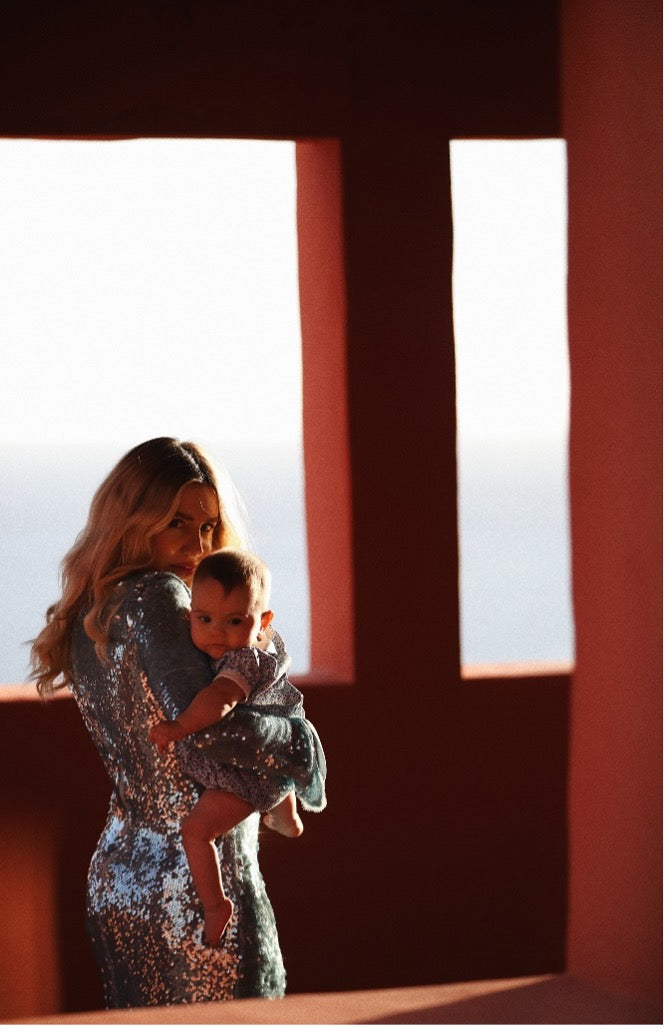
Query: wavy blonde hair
x,y
136,501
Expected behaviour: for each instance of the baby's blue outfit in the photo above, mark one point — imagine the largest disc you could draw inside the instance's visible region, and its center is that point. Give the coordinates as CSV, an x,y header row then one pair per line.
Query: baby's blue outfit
x,y
262,676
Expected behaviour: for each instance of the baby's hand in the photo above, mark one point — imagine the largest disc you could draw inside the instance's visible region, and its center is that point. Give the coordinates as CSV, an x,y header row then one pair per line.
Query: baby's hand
x,y
165,733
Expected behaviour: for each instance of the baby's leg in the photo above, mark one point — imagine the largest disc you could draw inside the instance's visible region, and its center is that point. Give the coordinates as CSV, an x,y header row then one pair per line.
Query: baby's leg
x,y
284,818
215,813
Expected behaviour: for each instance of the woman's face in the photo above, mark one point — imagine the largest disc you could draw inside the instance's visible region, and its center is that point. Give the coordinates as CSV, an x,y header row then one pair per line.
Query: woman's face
x,y
189,535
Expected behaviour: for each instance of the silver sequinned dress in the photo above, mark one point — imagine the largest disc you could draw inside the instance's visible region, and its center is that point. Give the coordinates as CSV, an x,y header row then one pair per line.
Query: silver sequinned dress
x,y
144,917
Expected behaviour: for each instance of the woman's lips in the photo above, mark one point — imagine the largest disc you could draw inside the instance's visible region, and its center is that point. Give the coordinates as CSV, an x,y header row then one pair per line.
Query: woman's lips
x,y
184,571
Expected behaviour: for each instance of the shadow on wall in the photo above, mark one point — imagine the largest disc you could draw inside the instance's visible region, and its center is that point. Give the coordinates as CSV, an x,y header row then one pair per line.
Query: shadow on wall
x,y
483,861
479,852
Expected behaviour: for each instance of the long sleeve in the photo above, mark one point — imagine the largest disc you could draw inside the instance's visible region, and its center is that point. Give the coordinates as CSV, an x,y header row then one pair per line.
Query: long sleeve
x,y
286,750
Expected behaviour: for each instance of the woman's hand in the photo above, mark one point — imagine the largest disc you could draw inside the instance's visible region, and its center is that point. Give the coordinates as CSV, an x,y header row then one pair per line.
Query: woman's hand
x,y
165,733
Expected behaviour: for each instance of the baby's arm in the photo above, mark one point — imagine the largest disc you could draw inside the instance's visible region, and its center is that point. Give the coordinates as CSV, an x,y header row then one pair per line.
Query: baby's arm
x,y
210,704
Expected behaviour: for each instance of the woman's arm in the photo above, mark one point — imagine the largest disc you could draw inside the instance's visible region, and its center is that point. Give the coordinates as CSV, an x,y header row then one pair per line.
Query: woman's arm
x,y
210,705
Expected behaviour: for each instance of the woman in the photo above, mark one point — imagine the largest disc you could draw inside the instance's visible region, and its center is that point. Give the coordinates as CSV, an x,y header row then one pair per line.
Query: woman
x,y
119,637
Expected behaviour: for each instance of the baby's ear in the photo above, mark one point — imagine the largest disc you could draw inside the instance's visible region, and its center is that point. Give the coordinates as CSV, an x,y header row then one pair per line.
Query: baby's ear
x,y
266,619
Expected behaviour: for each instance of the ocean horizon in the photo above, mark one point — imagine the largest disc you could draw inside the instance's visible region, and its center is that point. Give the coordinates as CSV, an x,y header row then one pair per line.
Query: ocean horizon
x,y
514,549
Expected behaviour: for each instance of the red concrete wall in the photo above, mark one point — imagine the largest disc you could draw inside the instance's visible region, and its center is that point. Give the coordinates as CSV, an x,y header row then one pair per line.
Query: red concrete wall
x,y
612,123
52,808
441,856
323,307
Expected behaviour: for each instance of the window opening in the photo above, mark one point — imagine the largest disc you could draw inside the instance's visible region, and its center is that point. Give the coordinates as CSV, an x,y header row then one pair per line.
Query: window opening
x,y
147,287
509,285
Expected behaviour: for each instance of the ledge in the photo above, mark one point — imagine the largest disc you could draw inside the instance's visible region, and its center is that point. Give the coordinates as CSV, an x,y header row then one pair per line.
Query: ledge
x,y
542,1000
517,670
25,691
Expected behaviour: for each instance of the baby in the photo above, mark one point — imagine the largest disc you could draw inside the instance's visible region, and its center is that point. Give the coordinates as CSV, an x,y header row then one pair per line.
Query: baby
x,y
230,621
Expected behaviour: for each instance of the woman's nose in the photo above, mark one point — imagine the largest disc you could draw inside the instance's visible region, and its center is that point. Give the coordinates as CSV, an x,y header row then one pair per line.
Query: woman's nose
x,y
194,543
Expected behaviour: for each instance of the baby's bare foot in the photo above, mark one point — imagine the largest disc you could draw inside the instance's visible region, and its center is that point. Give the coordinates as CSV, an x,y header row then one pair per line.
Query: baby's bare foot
x,y
286,825
216,920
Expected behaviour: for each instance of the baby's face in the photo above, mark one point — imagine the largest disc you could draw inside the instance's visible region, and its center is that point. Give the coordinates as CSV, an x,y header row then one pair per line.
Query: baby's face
x,y
222,621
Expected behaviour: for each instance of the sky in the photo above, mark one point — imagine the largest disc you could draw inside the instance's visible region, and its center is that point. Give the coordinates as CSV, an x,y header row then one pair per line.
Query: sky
x,y
509,281
150,287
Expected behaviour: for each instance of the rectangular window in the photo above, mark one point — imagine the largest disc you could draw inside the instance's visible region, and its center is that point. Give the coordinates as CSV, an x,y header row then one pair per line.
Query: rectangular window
x,y
147,288
509,282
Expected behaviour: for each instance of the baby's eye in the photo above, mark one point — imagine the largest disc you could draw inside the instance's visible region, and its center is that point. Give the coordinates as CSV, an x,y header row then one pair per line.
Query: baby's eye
x,y
203,618
235,621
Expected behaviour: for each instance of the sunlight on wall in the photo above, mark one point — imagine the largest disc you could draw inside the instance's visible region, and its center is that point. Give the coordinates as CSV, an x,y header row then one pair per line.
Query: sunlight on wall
x,y
510,225
147,288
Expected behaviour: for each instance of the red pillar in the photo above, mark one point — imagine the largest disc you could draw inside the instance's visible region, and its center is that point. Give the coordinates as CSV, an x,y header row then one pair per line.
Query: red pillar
x,y
325,429
612,123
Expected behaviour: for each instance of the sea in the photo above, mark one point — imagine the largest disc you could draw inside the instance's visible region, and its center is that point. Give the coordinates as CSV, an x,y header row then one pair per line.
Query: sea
x,y
513,536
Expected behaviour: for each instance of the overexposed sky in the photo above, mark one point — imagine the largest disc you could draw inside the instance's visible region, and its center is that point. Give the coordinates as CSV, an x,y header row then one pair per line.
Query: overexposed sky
x,y
148,287
510,222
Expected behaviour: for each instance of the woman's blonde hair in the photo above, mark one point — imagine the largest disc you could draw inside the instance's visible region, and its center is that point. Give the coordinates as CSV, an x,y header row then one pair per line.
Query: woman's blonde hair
x,y
136,501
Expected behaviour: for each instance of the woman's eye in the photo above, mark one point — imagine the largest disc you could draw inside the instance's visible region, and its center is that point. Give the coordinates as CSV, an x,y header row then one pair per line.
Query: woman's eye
x,y
208,528
175,523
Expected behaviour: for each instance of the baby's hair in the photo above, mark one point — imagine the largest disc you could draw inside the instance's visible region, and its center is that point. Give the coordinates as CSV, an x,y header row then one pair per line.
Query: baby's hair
x,y
233,568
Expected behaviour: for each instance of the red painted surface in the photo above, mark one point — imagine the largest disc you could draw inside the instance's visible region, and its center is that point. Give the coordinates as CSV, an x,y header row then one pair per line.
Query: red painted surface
x,y
612,122
325,409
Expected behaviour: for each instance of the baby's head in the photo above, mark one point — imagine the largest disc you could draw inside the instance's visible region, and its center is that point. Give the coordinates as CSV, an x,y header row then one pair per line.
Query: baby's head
x,y
230,596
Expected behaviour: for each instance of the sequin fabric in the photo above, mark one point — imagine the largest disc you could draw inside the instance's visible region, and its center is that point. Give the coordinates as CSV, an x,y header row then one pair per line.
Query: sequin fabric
x,y
143,915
